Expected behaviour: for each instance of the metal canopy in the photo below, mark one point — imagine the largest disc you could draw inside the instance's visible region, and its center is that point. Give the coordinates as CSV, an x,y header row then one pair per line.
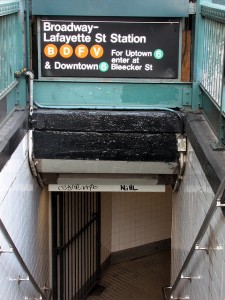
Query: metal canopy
x,y
123,8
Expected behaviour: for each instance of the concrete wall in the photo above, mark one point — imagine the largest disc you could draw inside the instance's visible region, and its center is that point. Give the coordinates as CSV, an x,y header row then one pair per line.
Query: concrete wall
x,y
24,210
190,205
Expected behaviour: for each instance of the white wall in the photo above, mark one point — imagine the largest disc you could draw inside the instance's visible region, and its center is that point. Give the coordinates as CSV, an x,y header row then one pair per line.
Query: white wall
x,y
24,210
106,225
190,205
140,218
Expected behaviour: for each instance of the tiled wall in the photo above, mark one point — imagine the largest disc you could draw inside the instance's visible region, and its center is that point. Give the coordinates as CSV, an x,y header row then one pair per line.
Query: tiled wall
x,y
24,210
190,205
106,225
140,218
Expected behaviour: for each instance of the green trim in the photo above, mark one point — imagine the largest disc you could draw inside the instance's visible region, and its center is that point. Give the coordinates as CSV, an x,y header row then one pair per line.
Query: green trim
x,y
9,8
14,97
6,91
198,40
142,8
196,96
111,95
214,116
213,12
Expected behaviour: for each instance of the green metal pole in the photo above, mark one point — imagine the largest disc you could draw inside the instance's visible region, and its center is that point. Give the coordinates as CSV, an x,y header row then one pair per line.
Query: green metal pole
x,y
197,57
27,34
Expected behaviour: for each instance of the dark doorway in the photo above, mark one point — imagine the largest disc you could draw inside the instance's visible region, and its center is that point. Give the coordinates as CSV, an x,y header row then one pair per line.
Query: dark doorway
x,y
76,244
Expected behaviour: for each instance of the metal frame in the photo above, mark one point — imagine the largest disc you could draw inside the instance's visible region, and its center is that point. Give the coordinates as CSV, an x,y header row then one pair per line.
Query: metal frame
x,y
85,97
23,264
214,12
76,244
217,202
106,80
108,93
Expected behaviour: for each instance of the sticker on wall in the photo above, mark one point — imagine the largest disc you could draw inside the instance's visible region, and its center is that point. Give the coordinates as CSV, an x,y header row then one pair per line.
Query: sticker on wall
x,y
110,48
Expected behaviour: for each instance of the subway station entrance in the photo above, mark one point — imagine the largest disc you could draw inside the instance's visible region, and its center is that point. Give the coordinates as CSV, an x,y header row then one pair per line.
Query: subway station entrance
x,y
104,241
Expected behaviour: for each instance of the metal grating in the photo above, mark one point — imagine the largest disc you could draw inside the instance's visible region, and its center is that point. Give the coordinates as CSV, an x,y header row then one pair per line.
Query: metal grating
x,y
77,257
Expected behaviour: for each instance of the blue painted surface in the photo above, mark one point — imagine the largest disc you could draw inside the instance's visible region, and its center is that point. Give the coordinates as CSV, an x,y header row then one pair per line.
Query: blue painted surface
x,y
141,8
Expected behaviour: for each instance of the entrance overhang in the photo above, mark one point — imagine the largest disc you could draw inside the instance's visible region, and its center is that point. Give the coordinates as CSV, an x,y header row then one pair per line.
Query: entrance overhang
x,y
107,143
104,167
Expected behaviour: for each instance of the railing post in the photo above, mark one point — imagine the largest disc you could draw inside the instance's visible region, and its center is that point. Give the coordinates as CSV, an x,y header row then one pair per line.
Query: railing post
x,y
22,263
220,196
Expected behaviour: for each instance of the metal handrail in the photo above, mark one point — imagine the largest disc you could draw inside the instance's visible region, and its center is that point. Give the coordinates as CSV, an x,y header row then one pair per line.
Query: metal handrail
x,y
218,201
22,263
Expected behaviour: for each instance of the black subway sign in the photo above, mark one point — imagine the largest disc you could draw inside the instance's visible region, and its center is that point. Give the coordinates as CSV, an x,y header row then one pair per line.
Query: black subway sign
x,y
110,48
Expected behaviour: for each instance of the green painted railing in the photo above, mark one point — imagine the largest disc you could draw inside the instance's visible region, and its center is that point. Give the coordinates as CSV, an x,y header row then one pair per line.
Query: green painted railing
x,y
219,2
11,56
213,58
209,62
213,50
7,54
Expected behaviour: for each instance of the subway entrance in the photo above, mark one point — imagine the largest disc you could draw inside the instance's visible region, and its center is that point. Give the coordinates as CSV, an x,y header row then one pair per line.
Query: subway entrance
x,y
105,238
